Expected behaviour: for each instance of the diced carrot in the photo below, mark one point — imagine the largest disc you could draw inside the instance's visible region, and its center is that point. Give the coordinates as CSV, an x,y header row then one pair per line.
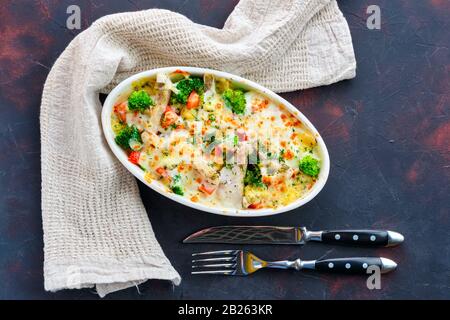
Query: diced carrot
x,y
194,199
134,157
267,180
185,73
121,111
288,155
206,189
255,206
193,101
162,172
169,108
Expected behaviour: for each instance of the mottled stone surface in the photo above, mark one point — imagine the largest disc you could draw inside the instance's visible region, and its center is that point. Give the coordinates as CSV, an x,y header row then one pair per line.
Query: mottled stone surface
x,y
388,133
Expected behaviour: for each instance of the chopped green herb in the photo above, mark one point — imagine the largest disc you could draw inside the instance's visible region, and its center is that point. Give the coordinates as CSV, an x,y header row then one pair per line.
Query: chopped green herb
x,y
281,157
177,178
176,185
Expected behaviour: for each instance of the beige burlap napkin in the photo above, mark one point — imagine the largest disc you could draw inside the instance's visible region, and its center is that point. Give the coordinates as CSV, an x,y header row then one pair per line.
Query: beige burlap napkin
x,y
96,230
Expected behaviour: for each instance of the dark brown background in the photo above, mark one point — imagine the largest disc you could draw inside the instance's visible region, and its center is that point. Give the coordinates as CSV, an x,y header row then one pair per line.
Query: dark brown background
x,y
388,132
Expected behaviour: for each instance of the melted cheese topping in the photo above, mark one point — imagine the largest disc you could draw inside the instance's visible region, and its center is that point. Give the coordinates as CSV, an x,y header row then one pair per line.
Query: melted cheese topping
x,y
205,152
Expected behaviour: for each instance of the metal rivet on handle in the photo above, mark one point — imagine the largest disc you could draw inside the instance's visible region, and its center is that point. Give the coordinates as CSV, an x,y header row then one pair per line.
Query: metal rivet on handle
x,y
348,266
337,237
355,237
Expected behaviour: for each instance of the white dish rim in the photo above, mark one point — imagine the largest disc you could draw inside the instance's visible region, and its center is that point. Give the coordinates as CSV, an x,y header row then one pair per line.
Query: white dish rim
x,y
125,85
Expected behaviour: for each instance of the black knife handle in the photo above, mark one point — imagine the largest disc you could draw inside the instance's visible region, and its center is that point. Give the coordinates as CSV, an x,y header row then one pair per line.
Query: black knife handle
x,y
371,238
348,265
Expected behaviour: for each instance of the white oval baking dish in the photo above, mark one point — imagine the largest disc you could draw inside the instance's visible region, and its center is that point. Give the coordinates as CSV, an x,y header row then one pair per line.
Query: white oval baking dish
x,y
126,86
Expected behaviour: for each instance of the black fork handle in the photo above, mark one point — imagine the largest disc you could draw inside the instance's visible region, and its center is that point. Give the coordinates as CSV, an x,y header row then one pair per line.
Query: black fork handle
x,y
355,265
366,238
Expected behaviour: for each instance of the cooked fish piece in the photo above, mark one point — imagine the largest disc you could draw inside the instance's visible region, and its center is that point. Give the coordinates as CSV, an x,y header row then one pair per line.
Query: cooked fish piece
x,y
156,112
231,188
206,170
151,140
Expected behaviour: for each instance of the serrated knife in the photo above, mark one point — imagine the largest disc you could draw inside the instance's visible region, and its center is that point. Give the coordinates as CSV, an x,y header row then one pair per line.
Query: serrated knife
x,y
294,235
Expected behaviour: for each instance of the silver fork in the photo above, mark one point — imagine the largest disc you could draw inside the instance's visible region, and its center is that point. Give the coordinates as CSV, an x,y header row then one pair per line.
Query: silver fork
x,y
243,263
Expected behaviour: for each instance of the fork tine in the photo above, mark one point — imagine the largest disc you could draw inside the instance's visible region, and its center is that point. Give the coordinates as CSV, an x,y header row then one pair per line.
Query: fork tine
x,y
222,272
214,253
219,265
225,262
215,259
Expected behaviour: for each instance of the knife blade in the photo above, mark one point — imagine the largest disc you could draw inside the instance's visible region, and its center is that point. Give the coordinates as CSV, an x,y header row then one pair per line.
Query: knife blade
x,y
294,235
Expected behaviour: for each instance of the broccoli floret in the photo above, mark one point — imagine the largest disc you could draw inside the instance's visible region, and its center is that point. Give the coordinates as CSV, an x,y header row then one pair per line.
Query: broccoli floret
x,y
310,166
129,134
140,101
176,185
253,176
235,100
185,87
178,190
